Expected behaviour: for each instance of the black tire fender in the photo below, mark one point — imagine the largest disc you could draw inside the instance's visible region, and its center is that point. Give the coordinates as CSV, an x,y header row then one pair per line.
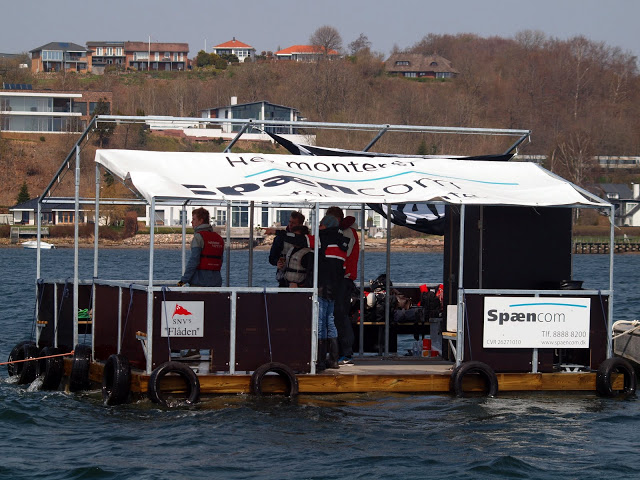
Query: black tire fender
x,y
50,369
474,367
12,368
79,377
281,369
187,374
604,381
27,371
116,380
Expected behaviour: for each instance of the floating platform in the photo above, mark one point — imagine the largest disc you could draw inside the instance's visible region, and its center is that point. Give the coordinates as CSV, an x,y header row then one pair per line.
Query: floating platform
x,y
368,375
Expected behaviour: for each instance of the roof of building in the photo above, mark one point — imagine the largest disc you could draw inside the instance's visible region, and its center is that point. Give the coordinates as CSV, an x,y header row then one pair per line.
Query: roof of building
x,y
622,190
66,46
234,44
156,47
418,63
107,42
251,103
304,49
46,207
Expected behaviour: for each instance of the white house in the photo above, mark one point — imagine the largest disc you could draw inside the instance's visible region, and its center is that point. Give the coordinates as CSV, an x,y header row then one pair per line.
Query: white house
x,y
235,47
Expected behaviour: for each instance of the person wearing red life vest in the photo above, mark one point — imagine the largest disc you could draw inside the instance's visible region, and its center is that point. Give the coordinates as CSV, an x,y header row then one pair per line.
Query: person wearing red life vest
x,y
207,248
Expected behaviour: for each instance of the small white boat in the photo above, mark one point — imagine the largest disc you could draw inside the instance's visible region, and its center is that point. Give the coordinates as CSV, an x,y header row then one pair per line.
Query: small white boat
x,y
34,244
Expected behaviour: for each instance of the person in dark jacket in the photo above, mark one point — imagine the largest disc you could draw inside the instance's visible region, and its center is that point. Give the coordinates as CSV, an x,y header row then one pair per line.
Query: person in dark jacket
x,y
278,247
332,252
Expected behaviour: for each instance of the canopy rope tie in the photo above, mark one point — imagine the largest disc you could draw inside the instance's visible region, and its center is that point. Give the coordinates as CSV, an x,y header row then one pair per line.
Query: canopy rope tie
x,y
124,329
466,319
32,359
166,319
36,308
65,294
604,317
266,313
85,312
634,323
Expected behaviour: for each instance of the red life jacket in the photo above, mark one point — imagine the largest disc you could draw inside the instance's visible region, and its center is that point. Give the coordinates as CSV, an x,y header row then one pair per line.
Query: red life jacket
x,y
211,255
351,263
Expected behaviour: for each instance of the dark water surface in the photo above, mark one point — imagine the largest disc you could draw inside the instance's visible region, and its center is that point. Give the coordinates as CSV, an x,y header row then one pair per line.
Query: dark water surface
x,y
531,436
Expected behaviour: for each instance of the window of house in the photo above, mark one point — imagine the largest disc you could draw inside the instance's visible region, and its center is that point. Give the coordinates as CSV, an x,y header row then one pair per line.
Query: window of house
x,y
433,64
167,55
99,51
221,216
410,74
110,51
157,56
47,218
239,216
79,107
402,62
264,217
175,57
119,51
93,105
158,217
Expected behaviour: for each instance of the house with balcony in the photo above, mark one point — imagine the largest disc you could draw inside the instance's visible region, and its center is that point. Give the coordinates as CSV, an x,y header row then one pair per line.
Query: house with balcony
x,y
105,54
626,201
62,213
261,110
23,109
416,65
244,52
59,57
156,56
305,53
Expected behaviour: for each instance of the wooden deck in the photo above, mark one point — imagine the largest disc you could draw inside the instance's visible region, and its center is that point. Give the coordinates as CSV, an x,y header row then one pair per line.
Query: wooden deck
x,y
367,376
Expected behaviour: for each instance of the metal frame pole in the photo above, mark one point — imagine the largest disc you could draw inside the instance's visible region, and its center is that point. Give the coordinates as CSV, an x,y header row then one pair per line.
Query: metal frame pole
x,y
76,230
461,307
251,220
361,327
315,309
387,299
150,289
611,256
227,246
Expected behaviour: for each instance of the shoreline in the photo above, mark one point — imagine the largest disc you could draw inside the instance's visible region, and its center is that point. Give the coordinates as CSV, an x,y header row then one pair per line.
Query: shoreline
x,y
173,241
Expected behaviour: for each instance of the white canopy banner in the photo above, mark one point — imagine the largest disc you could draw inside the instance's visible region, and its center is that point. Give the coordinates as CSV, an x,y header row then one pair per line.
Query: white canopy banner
x,y
289,178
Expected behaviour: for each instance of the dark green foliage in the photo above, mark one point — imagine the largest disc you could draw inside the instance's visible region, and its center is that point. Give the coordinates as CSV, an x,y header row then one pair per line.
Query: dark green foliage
x,y
23,195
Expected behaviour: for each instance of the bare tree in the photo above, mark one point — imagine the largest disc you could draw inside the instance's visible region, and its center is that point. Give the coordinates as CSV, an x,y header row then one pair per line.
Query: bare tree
x,y
326,38
360,45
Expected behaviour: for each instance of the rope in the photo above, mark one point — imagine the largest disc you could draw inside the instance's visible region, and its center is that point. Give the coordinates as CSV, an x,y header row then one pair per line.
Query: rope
x,y
124,329
36,308
93,281
466,319
38,358
166,319
266,312
65,294
634,323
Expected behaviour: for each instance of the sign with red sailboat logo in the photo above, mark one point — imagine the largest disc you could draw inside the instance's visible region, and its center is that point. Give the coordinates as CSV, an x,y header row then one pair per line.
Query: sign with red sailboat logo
x,y
182,319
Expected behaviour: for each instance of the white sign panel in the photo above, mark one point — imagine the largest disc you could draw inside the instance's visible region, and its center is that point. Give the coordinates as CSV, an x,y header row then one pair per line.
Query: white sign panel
x,y
182,319
533,322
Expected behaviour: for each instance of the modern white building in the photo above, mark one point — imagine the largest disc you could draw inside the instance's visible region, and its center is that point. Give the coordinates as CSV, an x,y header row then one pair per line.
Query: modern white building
x,y
26,110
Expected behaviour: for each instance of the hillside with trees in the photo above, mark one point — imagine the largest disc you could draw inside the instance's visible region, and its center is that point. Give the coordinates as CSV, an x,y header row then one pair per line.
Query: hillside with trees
x,y
580,98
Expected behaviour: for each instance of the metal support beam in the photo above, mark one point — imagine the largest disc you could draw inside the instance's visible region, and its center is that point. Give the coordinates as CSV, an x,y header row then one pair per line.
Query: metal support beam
x,y
376,138
237,137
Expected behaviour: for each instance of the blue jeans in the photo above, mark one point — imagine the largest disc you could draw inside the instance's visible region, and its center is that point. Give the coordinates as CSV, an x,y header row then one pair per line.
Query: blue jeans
x,y
326,326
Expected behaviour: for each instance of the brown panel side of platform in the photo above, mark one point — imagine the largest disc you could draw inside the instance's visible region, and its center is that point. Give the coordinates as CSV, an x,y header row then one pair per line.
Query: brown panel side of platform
x,y
281,324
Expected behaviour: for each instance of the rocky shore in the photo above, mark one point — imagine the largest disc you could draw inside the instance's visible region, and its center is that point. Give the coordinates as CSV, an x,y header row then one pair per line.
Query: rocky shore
x,y
174,240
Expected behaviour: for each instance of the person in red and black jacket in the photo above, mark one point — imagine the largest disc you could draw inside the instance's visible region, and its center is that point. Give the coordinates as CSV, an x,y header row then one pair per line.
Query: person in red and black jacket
x,y
343,296
207,248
